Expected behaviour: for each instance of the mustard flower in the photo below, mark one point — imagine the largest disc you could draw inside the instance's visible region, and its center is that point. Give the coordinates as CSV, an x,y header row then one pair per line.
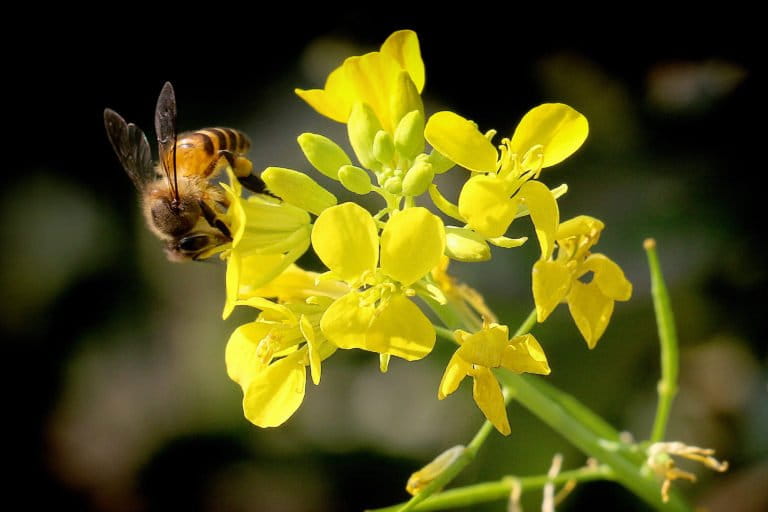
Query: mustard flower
x,y
268,234
478,354
564,279
388,82
268,358
377,313
504,185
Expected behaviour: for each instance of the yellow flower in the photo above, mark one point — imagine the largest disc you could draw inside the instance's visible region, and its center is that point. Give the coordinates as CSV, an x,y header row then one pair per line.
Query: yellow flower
x,y
267,236
563,279
377,315
388,81
295,284
491,348
504,187
268,358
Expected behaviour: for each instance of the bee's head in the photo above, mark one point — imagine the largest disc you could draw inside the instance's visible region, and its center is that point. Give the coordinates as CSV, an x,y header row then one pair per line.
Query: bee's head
x,y
194,246
174,218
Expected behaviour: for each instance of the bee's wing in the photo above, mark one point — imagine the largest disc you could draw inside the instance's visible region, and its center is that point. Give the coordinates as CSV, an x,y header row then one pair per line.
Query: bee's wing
x,y
131,146
165,128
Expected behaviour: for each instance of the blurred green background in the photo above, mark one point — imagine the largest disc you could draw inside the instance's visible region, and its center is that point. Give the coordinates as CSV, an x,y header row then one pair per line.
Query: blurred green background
x,y
119,400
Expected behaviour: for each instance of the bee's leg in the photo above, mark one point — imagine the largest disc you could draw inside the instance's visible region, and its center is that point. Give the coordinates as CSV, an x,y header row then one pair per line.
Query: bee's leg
x,y
214,221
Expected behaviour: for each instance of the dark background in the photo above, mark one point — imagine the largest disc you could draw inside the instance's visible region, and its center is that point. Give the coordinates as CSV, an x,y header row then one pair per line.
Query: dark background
x,y
114,357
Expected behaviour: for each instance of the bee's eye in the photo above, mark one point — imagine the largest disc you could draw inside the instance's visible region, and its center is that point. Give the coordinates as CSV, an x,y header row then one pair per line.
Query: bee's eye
x,y
193,243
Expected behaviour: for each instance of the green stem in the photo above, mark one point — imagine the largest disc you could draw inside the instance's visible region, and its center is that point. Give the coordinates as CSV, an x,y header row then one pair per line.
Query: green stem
x,y
569,423
450,472
501,489
665,320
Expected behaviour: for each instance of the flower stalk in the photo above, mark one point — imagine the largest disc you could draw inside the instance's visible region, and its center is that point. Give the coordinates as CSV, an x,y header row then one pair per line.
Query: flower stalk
x,y
667,387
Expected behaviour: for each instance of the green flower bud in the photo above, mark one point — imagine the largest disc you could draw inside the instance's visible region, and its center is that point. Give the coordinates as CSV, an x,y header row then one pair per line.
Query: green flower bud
x,y
440,163
394,185
463,244
325,155
362,127
355,179
418,179
298,189
383,147
409,135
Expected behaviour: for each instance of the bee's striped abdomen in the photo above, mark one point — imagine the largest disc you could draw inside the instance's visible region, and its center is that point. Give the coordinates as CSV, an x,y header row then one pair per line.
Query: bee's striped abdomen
x,y
198,151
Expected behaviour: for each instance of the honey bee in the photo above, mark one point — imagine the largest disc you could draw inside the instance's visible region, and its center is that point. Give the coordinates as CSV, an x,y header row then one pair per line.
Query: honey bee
x,y
181,201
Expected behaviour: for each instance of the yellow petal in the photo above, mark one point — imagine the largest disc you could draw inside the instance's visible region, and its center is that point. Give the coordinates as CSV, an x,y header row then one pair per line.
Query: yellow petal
x,y
507,243
313,348
276,392
551,283
485,347
590,309
485,204
609,277
298,189
399,328
487,394
460,141
345,238
240,355
455,372
373,77
335,100
524,354
557,127
412,243
345,322
295,285
246,273
403,46
545,214
578,226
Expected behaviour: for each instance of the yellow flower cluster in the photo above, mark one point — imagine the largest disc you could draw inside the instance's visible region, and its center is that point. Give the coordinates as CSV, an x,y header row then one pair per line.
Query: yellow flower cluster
x,y
378,263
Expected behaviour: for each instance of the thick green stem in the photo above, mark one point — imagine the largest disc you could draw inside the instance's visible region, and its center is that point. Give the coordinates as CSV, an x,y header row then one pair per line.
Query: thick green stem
x,y
568,422
501,489
665,320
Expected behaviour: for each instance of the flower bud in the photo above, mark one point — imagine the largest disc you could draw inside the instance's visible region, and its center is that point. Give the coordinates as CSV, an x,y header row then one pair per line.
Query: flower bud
x,y
409,135
465,245
440,163
394,185
355,179
418,179
298,189
324,154
362,127
383,147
